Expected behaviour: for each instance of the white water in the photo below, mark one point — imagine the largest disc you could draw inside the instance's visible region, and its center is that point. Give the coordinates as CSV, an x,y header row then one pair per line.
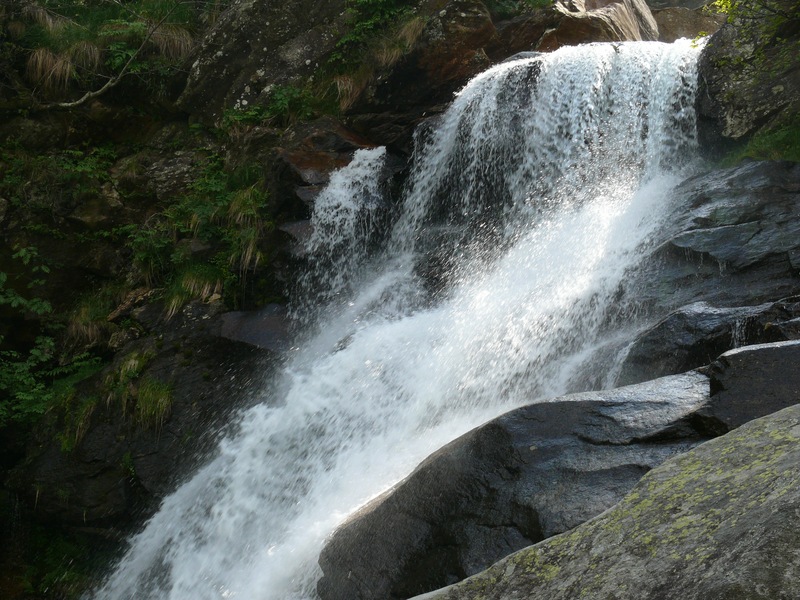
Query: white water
x,y
507,278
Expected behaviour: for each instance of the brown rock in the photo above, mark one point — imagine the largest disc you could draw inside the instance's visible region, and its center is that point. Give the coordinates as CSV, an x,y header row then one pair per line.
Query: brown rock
x,y
678,22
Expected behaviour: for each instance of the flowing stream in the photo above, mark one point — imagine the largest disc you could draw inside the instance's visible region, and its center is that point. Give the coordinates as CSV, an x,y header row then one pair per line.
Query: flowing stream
x,y
506,274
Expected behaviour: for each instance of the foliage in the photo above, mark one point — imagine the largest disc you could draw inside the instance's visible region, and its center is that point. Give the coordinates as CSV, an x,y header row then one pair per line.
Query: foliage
x,y
77,44
35,378
224,211
768,33
59,563
153,402
505,9
368,18
119,383
44,181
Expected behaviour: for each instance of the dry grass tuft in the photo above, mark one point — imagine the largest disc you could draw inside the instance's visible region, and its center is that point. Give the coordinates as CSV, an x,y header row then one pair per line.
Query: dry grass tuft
x,y
85,56
52,72
409,33
349,88
16,29
172,42
388,53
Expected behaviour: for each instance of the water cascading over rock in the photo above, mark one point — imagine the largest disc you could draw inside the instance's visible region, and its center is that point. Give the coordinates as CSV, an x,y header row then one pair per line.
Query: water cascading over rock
x,y
505,277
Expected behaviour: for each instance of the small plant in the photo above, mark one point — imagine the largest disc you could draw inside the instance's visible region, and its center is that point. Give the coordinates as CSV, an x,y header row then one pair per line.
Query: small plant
x,y
153,402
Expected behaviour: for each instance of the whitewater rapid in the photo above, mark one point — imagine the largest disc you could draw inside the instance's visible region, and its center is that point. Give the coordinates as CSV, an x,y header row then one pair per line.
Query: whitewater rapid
x,y
505,274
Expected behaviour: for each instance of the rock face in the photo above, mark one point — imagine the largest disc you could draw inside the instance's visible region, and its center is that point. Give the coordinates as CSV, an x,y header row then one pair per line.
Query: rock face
x,y
462,40
749,78
601,21
541,470
255,45
751,382
535,472
717,522
734,250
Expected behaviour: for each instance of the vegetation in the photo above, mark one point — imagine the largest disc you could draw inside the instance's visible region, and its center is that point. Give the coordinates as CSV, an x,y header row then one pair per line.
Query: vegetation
x,y
90,46
33,376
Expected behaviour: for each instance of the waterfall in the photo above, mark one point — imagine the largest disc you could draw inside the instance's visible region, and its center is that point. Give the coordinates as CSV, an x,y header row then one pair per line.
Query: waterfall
x,y
505,275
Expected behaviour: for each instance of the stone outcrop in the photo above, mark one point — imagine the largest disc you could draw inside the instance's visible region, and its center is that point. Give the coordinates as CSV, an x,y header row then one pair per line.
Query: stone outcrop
x,y
735,240
600,21
694,334
748,76
540,470
751,382
461,40
717,522
256,45
681,22
734,250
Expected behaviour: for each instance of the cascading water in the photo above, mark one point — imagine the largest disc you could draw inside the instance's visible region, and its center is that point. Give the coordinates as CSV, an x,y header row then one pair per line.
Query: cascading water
x,y
505,278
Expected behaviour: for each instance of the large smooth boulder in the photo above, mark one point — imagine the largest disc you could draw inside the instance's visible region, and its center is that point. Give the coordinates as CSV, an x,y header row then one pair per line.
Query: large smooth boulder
x,y
717,522
541,470
530,474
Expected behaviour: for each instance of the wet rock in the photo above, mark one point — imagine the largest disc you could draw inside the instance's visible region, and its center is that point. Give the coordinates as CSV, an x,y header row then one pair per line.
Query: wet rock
x,y
735,234
717,522
680,22
267,328
695,334
530,474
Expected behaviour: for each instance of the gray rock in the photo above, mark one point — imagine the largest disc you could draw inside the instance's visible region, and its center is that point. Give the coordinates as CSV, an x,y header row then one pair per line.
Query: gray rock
x,y
695,334
735,233
717,522
681,22
530,474
255,45
751,382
